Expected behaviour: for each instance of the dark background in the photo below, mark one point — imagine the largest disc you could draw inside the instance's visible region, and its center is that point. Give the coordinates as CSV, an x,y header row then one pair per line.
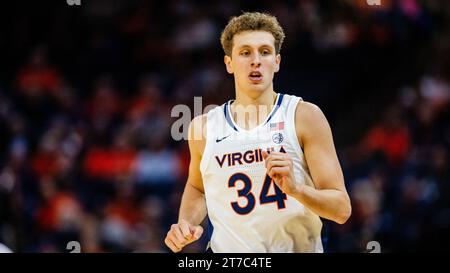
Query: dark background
x,y
86,93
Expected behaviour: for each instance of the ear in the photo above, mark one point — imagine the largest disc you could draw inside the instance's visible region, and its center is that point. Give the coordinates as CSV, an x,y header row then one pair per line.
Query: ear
x,y
229,66
277,62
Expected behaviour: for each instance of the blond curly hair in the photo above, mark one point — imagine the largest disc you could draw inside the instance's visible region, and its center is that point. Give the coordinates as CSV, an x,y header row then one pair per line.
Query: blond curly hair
x,y
251,21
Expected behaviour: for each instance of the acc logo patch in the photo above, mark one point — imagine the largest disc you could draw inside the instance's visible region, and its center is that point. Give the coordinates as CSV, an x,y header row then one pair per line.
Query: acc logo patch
x,y
277,138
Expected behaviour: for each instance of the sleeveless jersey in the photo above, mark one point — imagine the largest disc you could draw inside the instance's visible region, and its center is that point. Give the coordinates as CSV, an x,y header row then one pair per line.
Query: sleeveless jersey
x,y
246,209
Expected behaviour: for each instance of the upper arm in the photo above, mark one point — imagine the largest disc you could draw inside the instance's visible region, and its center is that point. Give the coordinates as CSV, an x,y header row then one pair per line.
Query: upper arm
x,y
314,133
197,141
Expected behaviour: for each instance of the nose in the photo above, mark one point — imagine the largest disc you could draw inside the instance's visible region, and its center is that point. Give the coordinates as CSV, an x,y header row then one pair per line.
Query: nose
x,y
256,61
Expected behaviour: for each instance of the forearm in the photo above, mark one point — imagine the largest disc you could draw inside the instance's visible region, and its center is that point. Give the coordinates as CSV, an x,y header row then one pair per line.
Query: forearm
x,y
193,205
327,203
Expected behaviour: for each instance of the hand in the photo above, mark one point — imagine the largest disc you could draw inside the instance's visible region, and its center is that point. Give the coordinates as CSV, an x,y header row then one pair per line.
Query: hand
x,y
280,168
182,234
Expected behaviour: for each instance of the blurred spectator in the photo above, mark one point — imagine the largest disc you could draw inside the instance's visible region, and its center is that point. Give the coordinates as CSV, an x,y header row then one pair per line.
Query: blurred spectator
x,y
38,77
85,146
391,137
117,160
157,166
59,216
121,216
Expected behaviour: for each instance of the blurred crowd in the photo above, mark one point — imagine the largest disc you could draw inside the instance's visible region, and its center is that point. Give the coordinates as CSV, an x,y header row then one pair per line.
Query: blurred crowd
x,y
86,93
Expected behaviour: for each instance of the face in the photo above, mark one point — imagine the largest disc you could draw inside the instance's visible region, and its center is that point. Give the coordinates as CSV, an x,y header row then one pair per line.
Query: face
x,y
253,61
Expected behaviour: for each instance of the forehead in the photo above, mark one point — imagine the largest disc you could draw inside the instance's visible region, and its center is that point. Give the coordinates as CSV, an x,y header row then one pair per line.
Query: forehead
x,y
253,39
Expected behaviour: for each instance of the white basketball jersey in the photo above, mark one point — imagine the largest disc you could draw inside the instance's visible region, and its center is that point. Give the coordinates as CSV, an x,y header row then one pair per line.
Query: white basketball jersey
x,y
248,212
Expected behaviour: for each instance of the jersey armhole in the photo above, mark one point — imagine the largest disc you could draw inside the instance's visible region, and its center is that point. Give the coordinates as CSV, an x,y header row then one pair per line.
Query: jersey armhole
x,y
206,150
292,120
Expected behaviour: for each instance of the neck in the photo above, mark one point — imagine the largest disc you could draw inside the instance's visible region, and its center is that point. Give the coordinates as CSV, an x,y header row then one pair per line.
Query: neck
x,y
266,98
250,109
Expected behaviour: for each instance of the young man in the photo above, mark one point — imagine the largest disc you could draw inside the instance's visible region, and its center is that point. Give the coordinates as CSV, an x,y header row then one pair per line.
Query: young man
x,y
264,182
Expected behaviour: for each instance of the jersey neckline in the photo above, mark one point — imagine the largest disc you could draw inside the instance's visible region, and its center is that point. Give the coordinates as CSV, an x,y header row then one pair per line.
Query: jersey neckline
x,y
230,120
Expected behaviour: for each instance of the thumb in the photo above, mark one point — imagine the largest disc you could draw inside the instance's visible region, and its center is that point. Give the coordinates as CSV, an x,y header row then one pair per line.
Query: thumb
x,y
197,231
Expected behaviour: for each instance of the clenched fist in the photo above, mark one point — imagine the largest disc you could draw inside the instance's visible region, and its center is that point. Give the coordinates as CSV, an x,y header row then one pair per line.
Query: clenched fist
x,y
182,234
280,168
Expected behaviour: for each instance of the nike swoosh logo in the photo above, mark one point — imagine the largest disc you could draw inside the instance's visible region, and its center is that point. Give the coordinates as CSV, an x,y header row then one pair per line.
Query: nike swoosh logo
x,y
220,139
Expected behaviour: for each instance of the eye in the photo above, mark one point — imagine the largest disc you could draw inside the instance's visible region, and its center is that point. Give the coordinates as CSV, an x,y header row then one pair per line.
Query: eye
x,y
265,52
245,53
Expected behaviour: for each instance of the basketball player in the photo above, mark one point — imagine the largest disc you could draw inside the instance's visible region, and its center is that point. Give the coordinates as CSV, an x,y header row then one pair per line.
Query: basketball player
x,y
264,182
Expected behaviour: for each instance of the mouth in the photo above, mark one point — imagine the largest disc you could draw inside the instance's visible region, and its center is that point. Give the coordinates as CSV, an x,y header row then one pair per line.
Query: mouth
x,y
255,76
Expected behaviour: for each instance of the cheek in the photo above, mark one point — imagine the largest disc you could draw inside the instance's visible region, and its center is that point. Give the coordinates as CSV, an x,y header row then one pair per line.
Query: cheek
x,y
239,67
271,64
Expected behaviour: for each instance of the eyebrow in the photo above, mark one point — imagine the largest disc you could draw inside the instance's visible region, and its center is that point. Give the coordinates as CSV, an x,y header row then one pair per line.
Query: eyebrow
x,y
259,46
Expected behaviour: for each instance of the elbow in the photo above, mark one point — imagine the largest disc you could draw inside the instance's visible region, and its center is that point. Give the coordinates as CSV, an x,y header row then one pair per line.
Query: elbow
x,y
345,213
343,217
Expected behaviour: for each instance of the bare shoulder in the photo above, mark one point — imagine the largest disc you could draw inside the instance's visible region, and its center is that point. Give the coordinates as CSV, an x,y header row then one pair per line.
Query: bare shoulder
x,y
197,134
308,112
309,120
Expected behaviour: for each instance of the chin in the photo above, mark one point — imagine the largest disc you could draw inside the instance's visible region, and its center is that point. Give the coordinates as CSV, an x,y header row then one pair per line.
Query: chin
x,y
260,88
